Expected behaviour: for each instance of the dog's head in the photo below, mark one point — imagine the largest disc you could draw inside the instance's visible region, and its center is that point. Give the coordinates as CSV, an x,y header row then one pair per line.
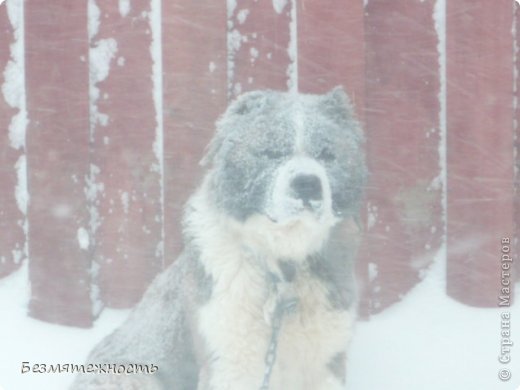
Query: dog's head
x,y
288,161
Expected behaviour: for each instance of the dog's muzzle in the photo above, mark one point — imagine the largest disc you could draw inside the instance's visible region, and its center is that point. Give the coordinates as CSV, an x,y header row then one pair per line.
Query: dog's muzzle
x,y
301,189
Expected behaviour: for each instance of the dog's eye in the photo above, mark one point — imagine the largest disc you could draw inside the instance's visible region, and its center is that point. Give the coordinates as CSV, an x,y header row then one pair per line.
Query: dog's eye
x,y
326,155
272,154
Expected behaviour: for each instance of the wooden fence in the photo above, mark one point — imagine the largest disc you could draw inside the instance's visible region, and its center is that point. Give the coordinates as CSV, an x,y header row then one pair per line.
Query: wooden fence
x,y
106,108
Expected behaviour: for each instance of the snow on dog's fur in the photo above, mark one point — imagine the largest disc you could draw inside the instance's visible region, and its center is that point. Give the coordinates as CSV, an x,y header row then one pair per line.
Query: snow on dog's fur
x,y
273,218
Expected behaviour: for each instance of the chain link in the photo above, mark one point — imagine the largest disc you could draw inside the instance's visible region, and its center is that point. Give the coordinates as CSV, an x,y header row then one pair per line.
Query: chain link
x,y
282,307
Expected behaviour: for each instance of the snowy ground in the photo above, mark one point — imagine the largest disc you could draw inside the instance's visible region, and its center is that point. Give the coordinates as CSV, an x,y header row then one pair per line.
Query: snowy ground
x,y
426,342
23,339
431,342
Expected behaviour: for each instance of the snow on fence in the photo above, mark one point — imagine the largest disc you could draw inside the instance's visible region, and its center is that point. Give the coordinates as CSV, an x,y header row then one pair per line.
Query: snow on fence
x,y
107,106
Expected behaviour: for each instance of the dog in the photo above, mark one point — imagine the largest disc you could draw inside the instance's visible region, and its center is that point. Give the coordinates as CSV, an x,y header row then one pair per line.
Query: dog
x,y
263,295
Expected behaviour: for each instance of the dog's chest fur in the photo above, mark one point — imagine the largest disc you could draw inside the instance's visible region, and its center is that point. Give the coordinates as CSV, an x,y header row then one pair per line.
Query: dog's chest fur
x,y
233,323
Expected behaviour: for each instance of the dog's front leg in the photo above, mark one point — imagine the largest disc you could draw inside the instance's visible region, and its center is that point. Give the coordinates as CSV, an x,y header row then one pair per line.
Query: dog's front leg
x,y
235,339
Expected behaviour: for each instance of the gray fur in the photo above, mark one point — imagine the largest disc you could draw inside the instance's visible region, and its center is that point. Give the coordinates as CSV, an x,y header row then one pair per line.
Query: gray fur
x,y
337,366
155,333
254,136
334,266
260,123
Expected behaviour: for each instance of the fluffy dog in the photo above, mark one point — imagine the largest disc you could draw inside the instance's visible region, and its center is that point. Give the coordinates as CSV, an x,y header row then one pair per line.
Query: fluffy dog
x,y
271,223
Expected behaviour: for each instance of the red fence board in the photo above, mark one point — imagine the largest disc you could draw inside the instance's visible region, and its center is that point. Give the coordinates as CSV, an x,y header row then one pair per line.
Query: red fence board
x,y
480,153
258,44
12,157
195,89
402,123
57,148
516,137
330,38
128,238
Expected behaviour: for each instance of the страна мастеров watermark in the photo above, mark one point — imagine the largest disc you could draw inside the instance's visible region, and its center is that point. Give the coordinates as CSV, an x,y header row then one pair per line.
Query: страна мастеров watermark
x,y
504,301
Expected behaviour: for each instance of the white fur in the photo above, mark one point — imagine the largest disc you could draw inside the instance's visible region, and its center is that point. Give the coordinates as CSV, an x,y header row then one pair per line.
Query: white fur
x,y
233,323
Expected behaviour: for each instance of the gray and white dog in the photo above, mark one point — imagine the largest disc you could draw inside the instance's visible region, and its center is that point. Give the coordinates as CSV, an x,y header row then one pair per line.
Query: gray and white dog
x,y
272,223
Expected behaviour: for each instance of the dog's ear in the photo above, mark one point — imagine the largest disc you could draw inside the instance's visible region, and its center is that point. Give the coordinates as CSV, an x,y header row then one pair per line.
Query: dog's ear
x,y
336,103
247,103
337,106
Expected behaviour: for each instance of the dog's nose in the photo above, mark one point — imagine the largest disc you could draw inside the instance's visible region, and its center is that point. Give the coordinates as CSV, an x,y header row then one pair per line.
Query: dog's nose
x,y
307,187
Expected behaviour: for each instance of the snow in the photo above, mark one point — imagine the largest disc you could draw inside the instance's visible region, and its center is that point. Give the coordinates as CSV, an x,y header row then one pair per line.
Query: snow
x,y
83,238
13,92
28,340
427,341
371,216
242,16
237,89
234,42
125,201
95,293
253,52
155,16
279,5
13,88
102,52
231,6
439,17
92,189
372,272
124,7
21,192
93,19
292,69
61,211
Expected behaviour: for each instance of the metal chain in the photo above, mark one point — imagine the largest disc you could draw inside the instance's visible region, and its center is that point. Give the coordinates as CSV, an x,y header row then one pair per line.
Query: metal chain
x,y
282,307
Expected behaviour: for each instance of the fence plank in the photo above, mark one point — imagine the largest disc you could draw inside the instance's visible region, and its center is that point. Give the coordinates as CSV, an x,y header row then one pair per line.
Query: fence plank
x,y
516,137
195,88
124,125
12,140
58,141
331,48
480,146
258,46
402,119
